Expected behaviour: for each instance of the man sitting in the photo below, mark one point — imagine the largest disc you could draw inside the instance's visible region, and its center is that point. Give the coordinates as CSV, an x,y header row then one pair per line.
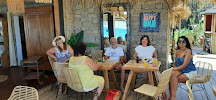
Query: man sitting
x,y
120,44
116,54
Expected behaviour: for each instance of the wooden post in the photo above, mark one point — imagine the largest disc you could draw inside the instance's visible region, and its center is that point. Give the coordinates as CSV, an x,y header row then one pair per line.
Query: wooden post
x,y
5,55
168,41
179,26
213,34
56,16
173,41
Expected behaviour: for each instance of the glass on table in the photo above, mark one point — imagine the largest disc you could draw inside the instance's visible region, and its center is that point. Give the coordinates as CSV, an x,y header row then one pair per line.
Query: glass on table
x,y
99,60
146,63
154,62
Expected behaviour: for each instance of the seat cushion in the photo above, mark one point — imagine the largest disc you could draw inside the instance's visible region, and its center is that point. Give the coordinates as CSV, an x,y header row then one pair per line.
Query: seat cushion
x,y
147,90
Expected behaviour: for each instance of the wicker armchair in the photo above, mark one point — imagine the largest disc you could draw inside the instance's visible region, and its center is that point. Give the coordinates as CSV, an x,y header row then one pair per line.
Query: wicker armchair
x,y
73,81
24,93
204,72
51,60
58,68
154,91
190,94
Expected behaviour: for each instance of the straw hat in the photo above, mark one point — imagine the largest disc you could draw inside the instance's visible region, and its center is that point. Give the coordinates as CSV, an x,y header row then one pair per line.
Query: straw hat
x,y
54,40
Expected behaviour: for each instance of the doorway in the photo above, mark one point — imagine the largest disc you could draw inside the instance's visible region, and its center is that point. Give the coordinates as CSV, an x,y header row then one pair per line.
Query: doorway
x,y
115,23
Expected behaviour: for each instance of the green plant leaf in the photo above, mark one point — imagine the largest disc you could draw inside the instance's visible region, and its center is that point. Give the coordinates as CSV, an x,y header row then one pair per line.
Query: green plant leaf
x,y
79,36
73,41
91,45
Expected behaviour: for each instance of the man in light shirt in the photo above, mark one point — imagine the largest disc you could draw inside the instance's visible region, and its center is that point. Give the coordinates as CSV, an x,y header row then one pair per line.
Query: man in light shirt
x,y
116,54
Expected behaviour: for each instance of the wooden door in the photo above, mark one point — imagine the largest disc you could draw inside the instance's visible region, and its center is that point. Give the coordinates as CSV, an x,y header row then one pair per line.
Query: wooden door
x,y
39,30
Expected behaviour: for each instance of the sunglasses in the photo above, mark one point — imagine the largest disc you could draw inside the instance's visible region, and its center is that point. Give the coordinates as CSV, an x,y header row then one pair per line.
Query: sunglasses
x,y
58,39
181,41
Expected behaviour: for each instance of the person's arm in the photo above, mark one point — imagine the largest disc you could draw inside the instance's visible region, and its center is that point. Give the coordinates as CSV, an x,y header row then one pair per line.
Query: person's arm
x,y
187,59
155,54
135,55
51,52
91,64
71,52
106,55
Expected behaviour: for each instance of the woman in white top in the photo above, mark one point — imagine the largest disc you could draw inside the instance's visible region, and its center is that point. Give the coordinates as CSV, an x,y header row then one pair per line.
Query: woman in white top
x,y
145,49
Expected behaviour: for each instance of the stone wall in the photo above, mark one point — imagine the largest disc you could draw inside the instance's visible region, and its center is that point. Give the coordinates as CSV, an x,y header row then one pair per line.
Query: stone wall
x,y
158,39
88,19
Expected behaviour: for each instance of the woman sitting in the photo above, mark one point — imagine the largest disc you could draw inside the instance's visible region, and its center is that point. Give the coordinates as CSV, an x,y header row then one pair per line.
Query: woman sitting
x,y
61,52
144,50
86,67
184,68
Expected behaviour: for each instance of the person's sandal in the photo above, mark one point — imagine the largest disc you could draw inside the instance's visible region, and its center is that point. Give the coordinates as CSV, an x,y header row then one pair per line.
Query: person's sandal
x,y
60,91
95,95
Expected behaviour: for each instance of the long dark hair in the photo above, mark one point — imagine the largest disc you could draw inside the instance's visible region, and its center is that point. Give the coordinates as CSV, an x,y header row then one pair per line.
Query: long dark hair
x,y
187,42
149,43
64,47
80,48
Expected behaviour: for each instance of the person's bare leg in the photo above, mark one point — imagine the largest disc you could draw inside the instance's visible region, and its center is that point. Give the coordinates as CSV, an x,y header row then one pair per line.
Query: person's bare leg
x,y
182,78
173,84
99,91
122,77
119,67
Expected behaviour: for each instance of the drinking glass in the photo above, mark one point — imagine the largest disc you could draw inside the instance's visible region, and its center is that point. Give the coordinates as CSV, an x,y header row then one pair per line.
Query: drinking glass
x,y
145,63
154,62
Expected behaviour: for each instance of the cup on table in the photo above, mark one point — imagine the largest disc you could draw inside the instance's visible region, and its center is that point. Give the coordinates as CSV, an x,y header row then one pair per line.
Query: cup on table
x,y
154,62
145,63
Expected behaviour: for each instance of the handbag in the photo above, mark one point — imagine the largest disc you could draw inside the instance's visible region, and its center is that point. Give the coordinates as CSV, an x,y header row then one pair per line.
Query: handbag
x,y
113,94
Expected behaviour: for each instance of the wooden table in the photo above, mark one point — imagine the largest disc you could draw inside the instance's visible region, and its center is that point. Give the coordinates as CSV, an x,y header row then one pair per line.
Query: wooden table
x,y
137,68
32,62
106,66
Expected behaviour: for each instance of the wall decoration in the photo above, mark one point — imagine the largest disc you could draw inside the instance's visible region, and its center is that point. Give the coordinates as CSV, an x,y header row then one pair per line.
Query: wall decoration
x,y
149,22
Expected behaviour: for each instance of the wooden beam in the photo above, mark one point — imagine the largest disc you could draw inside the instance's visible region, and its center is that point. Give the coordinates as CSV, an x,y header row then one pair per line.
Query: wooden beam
x,y
5,55
179,26
213,33
64,15
56,16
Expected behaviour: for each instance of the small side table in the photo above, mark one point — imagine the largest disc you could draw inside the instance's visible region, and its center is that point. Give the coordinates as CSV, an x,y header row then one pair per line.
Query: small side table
x,y
32,62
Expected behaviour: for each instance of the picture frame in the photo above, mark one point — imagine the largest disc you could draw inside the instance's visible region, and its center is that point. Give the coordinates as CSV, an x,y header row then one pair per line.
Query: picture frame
x,y
149,22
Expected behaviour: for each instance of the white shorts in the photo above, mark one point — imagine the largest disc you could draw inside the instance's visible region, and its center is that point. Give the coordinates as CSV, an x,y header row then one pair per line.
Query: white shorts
x,y
190,74
87,90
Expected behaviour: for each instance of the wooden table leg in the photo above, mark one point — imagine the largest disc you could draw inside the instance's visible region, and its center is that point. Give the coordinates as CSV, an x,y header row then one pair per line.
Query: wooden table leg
x,y
106,79
151,78
155,78
133,80
114,78
128,84
38,76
